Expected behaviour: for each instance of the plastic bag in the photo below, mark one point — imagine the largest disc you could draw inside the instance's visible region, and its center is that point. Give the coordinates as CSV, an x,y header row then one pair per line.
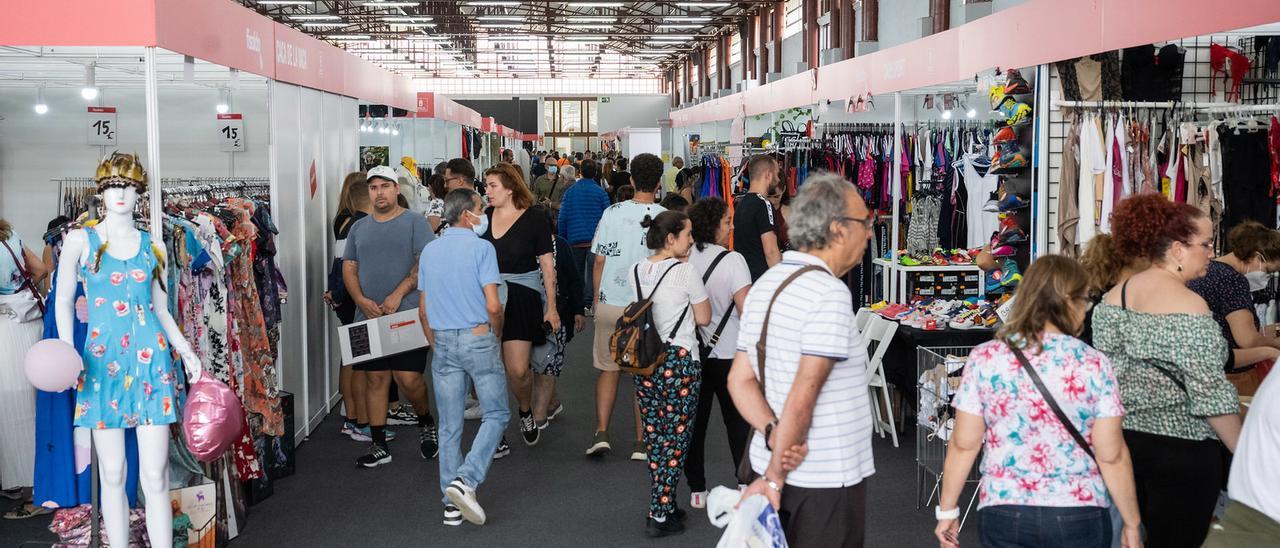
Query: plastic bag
x,y
754,524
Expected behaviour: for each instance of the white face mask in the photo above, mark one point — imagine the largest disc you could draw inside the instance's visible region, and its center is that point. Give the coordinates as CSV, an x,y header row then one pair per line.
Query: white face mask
x,y
481,226
1258,280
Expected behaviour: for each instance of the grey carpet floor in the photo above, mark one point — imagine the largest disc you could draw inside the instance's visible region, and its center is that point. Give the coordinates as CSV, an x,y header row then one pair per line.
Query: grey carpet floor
x,y
547,495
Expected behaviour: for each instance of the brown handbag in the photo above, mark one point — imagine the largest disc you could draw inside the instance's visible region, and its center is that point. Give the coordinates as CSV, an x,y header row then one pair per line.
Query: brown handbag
x,y
745,473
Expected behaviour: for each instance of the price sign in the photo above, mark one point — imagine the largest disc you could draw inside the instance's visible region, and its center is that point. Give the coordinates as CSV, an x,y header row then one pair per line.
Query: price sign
x,y
102,126
231,132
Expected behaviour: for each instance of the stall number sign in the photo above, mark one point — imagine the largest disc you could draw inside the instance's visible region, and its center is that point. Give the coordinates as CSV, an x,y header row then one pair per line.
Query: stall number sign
x,y
231,132
102,125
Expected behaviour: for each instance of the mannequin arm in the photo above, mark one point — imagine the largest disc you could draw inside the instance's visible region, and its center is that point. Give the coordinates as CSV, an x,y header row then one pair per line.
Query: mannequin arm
x,y
74,247
160,305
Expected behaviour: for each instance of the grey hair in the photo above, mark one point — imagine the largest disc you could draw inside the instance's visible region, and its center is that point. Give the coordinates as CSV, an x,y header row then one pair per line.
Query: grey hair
x,y
819,203
569,171
457,201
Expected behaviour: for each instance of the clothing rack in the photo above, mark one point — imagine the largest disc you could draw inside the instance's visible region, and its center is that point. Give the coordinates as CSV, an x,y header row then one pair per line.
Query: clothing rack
x,y
1204,107
215,185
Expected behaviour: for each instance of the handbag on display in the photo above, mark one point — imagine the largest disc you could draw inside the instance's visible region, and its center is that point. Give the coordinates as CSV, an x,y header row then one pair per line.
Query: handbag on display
x,y
22,306
745,473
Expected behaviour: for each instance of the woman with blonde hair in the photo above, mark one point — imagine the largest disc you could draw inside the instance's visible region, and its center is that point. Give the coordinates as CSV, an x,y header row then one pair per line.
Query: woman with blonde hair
x,y
1044,409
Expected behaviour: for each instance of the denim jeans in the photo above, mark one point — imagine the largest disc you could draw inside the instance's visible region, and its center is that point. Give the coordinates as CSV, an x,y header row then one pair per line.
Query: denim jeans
x,y
1009,526
459,356
585,261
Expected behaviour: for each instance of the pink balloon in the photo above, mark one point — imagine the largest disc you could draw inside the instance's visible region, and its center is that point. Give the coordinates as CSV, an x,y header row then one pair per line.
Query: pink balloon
x,y
212,420
53,365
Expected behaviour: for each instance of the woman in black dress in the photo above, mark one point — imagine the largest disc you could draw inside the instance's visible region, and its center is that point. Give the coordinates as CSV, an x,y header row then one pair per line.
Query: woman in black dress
x,y
524,243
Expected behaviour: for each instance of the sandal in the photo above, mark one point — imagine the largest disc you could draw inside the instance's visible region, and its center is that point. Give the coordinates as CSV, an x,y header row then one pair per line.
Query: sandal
x,y
27,511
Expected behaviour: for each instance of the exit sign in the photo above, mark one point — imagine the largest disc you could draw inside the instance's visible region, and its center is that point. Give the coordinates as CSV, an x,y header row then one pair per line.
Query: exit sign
x,y
604,99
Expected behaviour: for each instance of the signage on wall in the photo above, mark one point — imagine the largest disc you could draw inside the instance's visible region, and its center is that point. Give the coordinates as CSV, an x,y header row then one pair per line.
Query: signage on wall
x,y
231,132
101,124
604,99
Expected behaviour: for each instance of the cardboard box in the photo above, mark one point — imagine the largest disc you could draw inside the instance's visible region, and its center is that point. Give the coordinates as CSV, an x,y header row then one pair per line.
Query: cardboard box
x,y
380,337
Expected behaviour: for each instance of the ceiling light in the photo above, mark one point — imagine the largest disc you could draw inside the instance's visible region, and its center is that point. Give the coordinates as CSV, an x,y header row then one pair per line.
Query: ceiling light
x,y
682,26
390,4
500,18
585,38
690,18
494,4
313,17
595,4
341,37
323,25
586,19
704,4
395,130
285,2
41,106
588,26
224,101
90,89
670,38
423,38
501,25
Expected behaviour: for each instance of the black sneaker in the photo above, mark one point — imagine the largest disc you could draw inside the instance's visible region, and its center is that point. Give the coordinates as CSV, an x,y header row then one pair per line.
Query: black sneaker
x,y
429,442
678,514
528,430
402,416
654,528
502,450
376,457
452,515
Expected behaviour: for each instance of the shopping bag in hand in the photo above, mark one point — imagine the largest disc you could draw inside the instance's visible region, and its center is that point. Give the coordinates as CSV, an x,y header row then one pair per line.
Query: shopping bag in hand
x,y
754,523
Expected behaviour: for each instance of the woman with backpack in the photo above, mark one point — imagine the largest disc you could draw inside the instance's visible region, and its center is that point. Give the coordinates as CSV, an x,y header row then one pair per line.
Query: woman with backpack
x,y
727,279
668,396
1045,411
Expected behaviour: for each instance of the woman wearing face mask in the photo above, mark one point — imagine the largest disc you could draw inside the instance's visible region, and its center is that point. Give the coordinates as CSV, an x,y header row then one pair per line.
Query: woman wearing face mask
x,y
1228,288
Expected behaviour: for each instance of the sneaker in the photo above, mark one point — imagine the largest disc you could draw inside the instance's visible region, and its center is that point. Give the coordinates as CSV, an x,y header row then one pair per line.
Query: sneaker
x,y
465,499
474,412
528,430
671,526
638,451
544,424
1004,135
402,416
555,412
452,515
599,445
992,205
365,434
376,457
1015,84
1015,113
429,442
502,450
698,499
1012,202
348,428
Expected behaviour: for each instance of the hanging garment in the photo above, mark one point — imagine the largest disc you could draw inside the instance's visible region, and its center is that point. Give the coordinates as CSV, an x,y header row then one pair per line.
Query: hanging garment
x,y
982,224
1092,168
1109,179
1068,194
1246,170
922,231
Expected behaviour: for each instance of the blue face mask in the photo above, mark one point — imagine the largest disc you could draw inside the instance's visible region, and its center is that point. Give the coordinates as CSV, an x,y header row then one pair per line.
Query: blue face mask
x,y
553,170
482,226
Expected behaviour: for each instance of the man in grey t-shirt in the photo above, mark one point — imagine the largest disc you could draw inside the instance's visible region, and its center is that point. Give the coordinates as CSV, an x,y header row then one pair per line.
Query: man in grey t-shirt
x,y
380,270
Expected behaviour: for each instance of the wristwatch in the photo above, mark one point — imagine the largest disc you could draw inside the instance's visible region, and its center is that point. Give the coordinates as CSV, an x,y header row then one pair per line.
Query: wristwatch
x,y
768,431
941,514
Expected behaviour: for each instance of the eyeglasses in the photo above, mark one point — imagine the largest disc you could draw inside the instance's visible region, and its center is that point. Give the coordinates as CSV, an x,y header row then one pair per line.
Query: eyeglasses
x,y
866,222
1207,245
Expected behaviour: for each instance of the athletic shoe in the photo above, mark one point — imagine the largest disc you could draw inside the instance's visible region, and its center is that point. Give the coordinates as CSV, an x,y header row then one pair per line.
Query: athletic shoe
x,y
366,434
698,499
348,428
474,412
555,412
544,424
1003,251
992,205
1015,113
997,97
1004,135
1015,84
528,430
376,457
429,442
502,450
638,451
599,445
671,526
464,497
402,416
1012,203
452,515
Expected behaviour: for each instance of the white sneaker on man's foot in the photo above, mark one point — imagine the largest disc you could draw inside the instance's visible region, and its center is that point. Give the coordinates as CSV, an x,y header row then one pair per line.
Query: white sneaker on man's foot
x,y
452,515
464,497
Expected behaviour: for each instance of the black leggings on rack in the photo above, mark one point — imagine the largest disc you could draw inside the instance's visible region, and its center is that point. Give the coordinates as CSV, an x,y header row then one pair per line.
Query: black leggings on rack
x,y
1246,166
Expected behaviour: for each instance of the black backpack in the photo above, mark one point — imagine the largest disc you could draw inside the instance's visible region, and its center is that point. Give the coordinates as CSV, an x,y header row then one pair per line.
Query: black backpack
x,y
636,346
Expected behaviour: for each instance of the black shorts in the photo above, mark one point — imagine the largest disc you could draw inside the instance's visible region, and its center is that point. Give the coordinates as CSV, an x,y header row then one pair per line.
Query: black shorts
x,y
523,316
413,360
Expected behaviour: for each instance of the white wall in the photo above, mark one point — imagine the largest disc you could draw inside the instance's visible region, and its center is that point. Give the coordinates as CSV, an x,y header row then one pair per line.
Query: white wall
x,y
35,148
632,111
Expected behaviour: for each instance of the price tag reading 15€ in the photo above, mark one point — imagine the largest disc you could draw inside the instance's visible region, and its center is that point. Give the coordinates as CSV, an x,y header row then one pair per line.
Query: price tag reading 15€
x,y
101,126
231,132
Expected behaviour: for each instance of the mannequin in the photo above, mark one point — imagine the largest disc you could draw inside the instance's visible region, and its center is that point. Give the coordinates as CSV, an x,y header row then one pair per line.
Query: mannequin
x,y
126,355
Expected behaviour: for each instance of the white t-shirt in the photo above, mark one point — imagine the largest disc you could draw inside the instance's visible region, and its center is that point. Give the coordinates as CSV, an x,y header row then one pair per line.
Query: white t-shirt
x,y
620,239
729,276
813,316
1254,474
680,289
982,224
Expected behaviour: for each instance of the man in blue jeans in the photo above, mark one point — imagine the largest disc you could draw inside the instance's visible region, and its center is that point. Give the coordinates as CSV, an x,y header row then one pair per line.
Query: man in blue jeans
x,y
462,318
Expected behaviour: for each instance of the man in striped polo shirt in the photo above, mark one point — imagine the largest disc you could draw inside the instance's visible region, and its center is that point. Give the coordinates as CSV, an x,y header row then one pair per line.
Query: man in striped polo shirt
x,y
815,372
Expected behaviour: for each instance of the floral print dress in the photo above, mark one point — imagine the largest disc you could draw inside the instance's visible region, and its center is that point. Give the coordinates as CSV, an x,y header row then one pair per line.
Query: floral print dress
x,y
129,376
1029,458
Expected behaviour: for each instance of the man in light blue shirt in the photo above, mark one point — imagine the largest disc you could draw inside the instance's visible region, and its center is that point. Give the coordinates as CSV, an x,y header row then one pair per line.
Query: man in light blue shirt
x,y
462,317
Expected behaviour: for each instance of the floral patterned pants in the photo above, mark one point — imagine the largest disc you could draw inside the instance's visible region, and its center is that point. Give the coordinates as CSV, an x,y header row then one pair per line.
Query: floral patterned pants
x,y
668,403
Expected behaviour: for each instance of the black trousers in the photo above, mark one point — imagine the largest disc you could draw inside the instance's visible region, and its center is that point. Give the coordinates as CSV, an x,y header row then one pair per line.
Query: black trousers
x,y
825,518
715,384
1178,482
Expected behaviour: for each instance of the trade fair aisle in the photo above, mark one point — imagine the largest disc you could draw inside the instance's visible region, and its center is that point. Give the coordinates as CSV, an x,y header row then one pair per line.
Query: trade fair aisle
x,y
549,495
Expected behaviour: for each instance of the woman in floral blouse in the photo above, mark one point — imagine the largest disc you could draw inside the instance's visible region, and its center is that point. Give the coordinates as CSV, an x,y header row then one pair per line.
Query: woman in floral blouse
x,y
1168,353
1040,487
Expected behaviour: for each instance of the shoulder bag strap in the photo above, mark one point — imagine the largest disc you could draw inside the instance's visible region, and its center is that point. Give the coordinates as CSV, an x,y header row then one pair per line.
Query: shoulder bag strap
x,y
724,320
714,263
26,276
764,327
1053,404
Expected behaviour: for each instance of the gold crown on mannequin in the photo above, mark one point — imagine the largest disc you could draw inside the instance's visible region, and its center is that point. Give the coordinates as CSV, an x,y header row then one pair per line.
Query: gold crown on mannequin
x,y
121,170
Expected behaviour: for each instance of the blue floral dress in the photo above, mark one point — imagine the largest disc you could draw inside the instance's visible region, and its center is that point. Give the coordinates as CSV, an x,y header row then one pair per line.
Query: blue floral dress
x,y
129,377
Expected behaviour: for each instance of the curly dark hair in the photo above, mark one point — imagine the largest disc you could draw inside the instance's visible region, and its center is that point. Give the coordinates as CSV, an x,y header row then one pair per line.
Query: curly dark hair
x,y
705,214
1146,225
646,172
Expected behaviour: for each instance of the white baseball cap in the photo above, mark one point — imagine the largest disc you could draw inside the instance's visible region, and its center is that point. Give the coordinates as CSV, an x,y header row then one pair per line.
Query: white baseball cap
x,y
382,171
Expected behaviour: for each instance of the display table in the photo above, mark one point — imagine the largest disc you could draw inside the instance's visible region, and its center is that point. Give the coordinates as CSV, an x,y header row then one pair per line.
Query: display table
x,y
900,358
894,276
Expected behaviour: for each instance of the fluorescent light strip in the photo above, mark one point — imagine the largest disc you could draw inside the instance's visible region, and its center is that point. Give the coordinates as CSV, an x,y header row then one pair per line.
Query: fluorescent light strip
x,y
494,4
588,19
501,25
682,26
313,17
402,19
346,37
595,4
704,4
585,38
323,25
588,26
390,4
286,2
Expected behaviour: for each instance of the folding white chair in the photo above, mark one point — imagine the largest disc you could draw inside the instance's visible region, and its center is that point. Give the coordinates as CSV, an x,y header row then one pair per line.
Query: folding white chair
x,y
861,318
880,331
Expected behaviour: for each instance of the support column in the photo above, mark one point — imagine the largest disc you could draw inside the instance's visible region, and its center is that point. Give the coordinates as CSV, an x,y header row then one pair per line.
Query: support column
x,y
151,91
940,14
779,22
762,56
809,16
836,31
870,20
